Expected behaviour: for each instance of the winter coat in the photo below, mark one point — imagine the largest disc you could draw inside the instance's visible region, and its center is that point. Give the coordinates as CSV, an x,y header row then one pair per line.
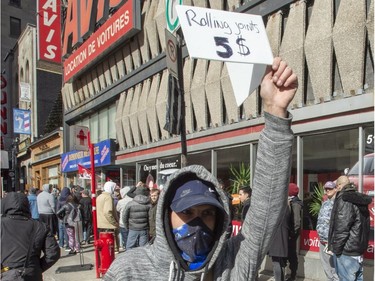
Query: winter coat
x,y
245,208
295,217
120,207
65,210
239,257
136,213
279,245
350,222
15,243
152,220
322,226
33,204
46,201
106,212
86,208
65,192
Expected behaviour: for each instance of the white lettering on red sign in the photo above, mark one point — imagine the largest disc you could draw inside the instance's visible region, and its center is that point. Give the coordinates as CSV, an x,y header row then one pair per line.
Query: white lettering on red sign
x,y
49,30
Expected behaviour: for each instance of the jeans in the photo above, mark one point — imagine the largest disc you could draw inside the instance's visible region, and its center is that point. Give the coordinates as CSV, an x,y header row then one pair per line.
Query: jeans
x,y
327,264
348,268
124,234
87,230
63,236
136,238
278,266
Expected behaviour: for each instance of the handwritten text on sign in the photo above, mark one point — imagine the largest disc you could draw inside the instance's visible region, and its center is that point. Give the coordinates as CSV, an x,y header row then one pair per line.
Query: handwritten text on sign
x,y
225,36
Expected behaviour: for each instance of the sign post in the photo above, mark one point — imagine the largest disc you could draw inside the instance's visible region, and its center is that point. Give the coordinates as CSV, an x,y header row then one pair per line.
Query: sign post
x,y
93,202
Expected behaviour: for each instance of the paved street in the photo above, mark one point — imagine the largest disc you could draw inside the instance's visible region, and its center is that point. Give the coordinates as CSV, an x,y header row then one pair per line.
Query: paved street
x,y
69,263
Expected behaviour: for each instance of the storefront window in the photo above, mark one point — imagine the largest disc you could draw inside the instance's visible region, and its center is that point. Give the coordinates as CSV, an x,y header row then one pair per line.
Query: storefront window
x,y
325,157
235,157
201,158
147,171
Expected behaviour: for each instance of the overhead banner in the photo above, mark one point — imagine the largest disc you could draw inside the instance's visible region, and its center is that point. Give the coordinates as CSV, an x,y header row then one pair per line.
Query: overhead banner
x,y
21,121
103,155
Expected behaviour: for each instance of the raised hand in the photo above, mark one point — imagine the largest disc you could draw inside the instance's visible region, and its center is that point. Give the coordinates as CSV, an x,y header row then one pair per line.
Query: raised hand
x,y
278,87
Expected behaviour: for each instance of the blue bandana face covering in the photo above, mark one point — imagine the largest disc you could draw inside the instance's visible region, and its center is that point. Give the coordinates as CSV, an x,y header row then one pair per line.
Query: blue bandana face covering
x,y
195,241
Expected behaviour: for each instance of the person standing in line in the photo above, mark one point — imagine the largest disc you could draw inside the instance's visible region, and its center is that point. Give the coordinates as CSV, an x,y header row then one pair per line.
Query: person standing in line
x,y
85,205
294,229
63,236
120,209
47,208
33,204
154,197
18,233
322,228
245,195
106,212
279,247
70,206
349,230
193,213
136,218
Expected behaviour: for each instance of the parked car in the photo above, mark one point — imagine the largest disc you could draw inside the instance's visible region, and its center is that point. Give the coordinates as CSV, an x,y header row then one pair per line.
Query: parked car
x,y
368,180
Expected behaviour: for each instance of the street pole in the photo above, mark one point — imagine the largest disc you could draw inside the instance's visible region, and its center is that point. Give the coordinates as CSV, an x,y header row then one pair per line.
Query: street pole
x,y
93,201
180,44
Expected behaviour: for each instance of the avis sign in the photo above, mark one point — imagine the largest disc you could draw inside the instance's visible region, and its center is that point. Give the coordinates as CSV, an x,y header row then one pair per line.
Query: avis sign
x,y
90,46
49,27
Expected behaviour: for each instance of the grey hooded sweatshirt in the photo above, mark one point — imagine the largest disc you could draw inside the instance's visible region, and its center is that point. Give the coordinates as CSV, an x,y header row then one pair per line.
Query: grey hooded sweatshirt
x,y
237,258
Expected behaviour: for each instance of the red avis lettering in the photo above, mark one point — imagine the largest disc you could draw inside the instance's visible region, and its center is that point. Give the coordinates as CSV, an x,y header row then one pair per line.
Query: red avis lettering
x,y
81,18
49,34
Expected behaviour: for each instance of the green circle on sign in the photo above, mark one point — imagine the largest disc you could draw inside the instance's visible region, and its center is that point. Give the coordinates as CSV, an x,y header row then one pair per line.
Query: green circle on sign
x,y
172,20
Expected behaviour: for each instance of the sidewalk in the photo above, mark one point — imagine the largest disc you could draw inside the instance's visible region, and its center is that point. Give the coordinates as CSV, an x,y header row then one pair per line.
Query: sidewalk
x,y
68,263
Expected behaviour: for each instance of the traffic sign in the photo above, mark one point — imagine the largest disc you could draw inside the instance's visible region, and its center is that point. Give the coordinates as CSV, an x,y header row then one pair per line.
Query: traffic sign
x,y
171,14
171,53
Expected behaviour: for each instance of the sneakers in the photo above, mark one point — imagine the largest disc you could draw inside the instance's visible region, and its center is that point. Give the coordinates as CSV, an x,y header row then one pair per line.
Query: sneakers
x,y
67,249
72,252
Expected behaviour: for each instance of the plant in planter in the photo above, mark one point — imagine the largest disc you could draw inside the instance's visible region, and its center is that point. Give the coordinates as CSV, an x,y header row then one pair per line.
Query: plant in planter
x,y
239,176
317,199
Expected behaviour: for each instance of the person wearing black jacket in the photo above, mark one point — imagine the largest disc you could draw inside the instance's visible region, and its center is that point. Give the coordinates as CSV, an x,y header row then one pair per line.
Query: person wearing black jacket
x,y
349,230
86,211
16,216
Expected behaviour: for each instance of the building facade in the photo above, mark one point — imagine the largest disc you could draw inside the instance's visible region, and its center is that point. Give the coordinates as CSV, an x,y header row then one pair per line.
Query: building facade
x,y
121,93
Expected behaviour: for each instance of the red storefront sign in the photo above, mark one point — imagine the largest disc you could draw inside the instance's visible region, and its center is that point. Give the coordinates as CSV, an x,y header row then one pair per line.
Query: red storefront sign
x,y
123,24
49,30
310,242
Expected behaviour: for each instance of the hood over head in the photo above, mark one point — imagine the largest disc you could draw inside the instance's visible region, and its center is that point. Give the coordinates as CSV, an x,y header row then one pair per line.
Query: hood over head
x,y
124,191
15,204
65,192
46,187
168,195
141,190
109,187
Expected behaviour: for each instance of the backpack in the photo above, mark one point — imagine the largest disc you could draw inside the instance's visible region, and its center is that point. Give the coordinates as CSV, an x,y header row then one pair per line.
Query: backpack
x,y
74,215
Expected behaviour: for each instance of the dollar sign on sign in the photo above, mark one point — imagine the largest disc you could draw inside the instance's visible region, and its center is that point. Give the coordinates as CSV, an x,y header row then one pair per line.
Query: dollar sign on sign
x,y
243,49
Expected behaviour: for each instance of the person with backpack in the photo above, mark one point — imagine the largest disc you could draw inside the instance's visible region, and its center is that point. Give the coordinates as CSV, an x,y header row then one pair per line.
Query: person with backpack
x,y
71,215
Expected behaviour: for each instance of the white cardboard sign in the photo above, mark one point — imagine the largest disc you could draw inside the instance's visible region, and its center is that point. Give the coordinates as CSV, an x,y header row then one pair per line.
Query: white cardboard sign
x,y
236,38
225,36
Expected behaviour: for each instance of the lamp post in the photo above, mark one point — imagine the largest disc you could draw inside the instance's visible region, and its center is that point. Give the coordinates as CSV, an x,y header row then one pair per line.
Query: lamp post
x,y
14,172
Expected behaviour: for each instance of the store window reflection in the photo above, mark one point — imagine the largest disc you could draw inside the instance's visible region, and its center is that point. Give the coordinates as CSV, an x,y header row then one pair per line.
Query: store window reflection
x,y
201,158
231,156
325,157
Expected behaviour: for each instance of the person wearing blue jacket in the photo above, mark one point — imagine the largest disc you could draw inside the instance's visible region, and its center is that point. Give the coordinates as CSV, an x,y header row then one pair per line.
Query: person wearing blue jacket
x,y
33,204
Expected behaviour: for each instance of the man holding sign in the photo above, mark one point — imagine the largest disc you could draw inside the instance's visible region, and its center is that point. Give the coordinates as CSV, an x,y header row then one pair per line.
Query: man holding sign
x,y
193,213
